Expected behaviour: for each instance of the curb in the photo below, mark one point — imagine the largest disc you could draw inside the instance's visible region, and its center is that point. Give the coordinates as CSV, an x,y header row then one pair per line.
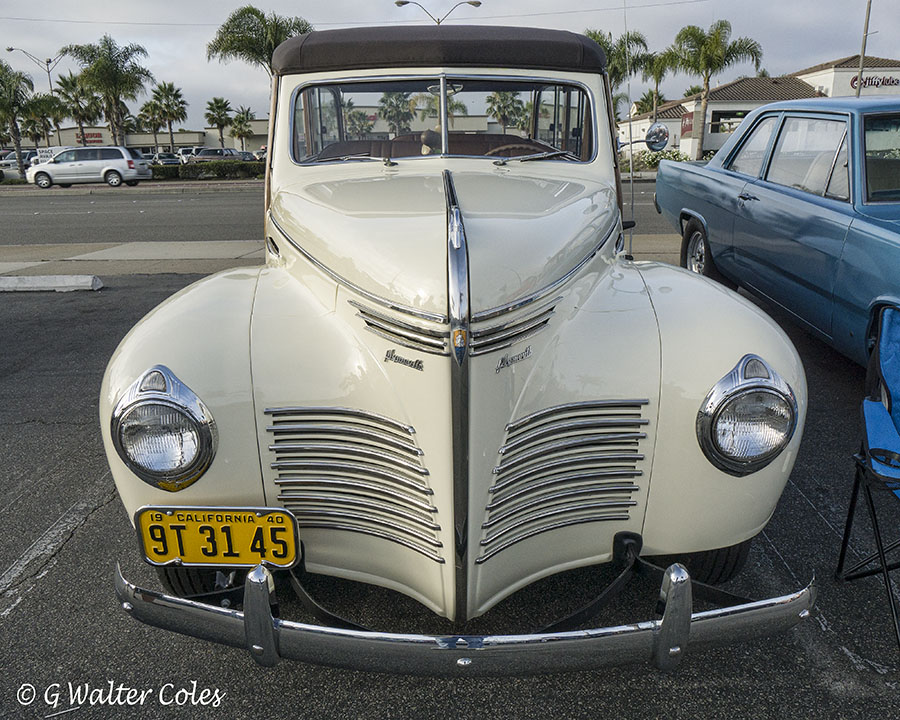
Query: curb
x,y
145,188
49,283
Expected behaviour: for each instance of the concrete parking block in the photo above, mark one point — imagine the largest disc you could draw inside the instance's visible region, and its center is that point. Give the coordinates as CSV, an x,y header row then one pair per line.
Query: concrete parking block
x,y
177,251
108,268
49,283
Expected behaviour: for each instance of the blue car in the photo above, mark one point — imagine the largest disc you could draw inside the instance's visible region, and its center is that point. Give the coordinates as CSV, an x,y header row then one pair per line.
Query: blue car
x,y
802,208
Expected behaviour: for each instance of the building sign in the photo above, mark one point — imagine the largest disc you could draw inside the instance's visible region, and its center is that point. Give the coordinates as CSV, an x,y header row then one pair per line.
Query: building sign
x,y
875,81
90,138
687,125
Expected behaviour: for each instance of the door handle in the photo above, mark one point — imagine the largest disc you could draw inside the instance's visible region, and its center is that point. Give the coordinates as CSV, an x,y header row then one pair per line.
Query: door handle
x,y
747,196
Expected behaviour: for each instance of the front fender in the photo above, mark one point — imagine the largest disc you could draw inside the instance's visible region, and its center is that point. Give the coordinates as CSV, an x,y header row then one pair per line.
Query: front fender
x,y
202,335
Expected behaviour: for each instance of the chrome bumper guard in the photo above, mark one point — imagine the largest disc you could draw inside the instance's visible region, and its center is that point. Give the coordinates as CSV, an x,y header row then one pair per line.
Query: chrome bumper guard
x,y
663,642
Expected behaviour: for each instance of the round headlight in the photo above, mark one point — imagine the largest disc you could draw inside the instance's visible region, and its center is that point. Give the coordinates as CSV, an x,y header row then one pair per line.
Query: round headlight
x,y
163,432
747,419
159,438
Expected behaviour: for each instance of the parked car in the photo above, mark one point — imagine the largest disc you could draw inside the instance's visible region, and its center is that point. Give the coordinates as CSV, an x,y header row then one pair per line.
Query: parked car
x,y
260,154
185,153
246,155
9,162
165,158
802,208
210,154
112,165
460,384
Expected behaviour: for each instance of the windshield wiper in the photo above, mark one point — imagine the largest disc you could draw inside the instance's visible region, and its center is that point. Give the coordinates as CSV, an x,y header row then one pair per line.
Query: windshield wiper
x,y
538,156
341,158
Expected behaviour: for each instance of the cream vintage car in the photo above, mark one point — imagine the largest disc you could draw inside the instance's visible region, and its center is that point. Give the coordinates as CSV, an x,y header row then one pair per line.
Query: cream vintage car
x,y
449,379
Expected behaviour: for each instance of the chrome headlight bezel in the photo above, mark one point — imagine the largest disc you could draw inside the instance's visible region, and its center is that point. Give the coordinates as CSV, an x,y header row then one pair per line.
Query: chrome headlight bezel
x,y
751,374
159,386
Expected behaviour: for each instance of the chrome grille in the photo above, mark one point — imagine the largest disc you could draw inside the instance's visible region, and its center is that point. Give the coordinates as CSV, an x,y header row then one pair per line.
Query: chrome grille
x,y
419,335
354,471
486,339
565,465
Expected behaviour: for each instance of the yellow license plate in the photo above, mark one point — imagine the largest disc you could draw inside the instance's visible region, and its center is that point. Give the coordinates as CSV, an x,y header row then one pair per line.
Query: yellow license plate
x,y
215,536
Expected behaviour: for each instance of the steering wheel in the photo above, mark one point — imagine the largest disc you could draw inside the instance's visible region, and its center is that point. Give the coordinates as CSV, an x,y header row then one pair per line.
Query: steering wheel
x,y
513,146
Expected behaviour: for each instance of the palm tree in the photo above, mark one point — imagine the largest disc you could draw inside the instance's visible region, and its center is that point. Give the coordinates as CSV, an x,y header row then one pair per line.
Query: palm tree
x,y
648,102
358,124
693,90
709,53
655,66
113,73
398,110
240,125
44,109
80,103
218,115
32,129
150,117
15,89
428,105
623,55
505,107
252,36
172,105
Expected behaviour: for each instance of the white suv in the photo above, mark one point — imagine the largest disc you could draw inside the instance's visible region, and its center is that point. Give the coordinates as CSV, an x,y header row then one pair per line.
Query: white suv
x,y
112,165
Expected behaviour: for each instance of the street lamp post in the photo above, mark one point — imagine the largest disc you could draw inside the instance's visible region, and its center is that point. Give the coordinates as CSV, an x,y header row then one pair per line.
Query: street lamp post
x,y
438,21
47,64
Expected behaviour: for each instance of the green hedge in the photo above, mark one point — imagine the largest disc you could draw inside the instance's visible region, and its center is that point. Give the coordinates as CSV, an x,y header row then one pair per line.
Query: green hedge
x,y
219,169
12,180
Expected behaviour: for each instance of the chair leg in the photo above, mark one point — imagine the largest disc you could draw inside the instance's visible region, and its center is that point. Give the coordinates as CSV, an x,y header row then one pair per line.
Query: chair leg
x,y
839,573
881,555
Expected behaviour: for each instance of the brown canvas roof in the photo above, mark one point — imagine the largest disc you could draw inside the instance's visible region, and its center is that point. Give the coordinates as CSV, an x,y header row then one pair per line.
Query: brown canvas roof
x,y
438,45
852,61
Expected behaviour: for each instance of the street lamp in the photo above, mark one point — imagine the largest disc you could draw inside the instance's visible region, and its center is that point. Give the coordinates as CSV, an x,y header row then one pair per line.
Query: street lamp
x,y
438,21
47,64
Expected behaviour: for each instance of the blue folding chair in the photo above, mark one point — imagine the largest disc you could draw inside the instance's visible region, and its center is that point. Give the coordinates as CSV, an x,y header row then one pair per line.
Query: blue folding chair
x,y
878,461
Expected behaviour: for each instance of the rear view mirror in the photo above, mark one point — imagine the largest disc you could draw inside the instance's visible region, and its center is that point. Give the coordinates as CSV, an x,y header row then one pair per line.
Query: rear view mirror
x,y
657,137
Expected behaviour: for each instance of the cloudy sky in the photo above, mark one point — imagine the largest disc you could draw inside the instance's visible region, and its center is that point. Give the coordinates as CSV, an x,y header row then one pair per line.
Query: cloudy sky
x,y
794,34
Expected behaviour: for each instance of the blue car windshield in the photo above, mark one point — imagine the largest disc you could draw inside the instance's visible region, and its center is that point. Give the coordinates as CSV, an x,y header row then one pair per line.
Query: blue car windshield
x,y
882,157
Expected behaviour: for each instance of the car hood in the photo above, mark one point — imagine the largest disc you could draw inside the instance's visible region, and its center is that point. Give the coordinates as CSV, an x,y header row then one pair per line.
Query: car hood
x,y
386,232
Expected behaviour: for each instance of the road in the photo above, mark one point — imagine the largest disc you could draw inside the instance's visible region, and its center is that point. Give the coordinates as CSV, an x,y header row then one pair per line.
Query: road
x,y
62,528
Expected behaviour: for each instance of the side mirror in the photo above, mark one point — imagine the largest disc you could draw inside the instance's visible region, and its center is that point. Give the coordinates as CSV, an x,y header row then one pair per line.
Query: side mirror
x,y
657,137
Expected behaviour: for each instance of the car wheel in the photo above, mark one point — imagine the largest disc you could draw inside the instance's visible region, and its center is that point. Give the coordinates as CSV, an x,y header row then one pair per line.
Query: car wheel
x,y
131,183
42,180
711,566
185,582
113,179
695,254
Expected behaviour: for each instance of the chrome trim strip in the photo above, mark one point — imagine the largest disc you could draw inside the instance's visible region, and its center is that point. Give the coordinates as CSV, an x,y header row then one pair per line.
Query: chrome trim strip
x,y
353,468
466,655
424,314
552,497
458,312
509,343
290,484
311,515
594,461
521,330
501,499
351,450
547,528
513,324
399,340
375,533
573,426
353,412
313,428
547,289
584,441
553,512
576,406
301,501
432,333
392,331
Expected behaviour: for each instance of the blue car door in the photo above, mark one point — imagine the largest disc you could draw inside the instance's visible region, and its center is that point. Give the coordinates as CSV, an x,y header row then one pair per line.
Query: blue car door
x,y
791,224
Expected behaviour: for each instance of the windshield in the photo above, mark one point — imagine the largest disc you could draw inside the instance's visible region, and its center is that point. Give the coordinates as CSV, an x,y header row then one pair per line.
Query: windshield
x,y
882,157
486,117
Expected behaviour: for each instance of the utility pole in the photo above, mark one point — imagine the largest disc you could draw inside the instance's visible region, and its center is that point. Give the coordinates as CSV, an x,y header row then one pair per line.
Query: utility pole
x,y
862,52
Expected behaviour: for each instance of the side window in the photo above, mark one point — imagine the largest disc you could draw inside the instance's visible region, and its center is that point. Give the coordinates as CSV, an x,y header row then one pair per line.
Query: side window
x,y
839,183
85,154
110,154
749,158
320,105
66,157
805,153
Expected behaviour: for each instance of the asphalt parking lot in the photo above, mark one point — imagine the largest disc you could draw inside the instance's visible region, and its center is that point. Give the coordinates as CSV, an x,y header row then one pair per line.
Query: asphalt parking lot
x,y
62,529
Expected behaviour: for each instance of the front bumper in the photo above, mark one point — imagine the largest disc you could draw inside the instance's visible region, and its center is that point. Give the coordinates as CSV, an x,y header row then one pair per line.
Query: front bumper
x,y
662,642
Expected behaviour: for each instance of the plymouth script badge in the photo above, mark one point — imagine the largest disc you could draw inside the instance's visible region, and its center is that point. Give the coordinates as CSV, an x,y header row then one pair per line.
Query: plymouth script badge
x,y
392,356
510,360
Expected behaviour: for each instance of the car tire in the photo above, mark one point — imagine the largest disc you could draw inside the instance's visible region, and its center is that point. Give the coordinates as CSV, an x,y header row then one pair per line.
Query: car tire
x,y
113,179
711,566
43,181
131,183
65,185
185,582
695,254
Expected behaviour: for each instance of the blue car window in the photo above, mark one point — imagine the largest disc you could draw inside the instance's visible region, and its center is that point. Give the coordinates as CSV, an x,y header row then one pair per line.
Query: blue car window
x,y
839,184
882,157
749,158
805,153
